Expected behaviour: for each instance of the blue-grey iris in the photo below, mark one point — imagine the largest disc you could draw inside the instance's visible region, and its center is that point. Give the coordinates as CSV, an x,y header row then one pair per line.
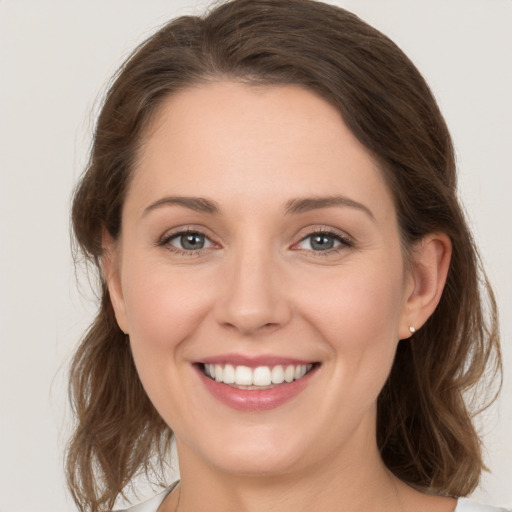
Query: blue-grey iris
x,y
322,242
191,241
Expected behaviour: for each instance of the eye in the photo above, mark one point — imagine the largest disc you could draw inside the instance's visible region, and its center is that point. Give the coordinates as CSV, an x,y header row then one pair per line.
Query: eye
x,y
321,241
188,241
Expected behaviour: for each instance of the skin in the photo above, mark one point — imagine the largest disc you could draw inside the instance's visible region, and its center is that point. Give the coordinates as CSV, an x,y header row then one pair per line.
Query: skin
x,y
258,287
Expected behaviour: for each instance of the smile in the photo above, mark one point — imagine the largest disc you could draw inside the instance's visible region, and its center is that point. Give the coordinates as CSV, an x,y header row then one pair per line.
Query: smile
x,y
255,385
261,377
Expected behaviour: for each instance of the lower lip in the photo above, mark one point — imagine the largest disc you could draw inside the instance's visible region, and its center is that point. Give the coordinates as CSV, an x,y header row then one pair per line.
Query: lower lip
x,y
255,399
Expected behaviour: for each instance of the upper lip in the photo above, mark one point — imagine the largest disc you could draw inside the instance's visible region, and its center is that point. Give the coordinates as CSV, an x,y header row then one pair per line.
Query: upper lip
x,y
253,361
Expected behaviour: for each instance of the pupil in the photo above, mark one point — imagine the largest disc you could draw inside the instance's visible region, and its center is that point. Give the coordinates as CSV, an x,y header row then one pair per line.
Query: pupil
x,y
192,241
322,242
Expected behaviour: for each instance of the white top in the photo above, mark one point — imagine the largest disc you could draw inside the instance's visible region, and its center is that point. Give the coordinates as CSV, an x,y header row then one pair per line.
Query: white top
x,y
463,504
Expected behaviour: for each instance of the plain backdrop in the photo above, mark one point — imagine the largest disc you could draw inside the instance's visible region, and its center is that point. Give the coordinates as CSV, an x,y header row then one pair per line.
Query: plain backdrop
x,y
56,57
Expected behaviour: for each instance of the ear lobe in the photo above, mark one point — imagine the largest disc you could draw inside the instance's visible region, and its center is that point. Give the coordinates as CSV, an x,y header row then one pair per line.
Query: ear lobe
x,y
110,264
430,265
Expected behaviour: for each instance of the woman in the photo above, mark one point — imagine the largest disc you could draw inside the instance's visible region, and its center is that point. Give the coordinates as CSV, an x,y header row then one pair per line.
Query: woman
x,y
289,285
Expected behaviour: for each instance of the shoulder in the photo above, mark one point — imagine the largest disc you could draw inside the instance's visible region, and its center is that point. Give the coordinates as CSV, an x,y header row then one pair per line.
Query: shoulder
x,y
465,505
152,504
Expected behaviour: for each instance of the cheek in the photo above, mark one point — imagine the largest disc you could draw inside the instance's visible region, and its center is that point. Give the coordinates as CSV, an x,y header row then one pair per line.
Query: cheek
x,y
357,313
164,308
162,305
359,306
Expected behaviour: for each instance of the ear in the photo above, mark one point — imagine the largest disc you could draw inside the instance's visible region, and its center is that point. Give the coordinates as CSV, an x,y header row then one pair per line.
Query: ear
x,y
425,282
111,265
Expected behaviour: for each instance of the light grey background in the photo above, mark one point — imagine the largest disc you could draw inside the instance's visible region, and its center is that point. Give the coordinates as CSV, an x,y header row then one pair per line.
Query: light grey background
x,y
55,58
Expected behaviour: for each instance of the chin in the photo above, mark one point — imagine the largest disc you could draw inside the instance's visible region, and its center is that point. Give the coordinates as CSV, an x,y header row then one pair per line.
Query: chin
x,y
255,452
257,463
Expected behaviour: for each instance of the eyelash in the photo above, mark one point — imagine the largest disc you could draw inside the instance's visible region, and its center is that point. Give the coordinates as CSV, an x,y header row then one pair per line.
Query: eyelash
x,y
345,242
166,239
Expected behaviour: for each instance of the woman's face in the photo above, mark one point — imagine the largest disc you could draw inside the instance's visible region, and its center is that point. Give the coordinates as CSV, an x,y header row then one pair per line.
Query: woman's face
x,y
260,241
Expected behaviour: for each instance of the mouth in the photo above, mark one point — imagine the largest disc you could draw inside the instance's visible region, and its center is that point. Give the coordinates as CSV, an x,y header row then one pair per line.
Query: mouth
x,y
258,378
253,386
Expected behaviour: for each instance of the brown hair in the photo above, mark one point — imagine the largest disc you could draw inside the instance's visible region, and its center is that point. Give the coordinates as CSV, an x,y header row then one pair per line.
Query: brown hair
x,y
425,430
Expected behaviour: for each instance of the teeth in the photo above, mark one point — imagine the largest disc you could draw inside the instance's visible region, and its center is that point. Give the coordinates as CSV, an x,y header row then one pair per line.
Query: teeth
x,y
300,371
243,376
229,374
262,376
289,373
277,375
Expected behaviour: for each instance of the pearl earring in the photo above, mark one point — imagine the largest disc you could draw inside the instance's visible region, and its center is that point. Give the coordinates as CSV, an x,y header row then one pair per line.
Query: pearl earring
x,y
412,330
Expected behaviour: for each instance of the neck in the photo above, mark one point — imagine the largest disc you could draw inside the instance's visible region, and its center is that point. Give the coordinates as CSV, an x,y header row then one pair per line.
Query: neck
x,y
344,483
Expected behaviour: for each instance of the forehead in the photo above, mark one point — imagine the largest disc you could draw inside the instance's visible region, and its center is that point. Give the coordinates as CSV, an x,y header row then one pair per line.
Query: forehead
x,y
253,142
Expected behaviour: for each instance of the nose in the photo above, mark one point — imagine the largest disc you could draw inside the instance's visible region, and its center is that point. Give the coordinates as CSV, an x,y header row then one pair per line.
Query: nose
x,y
253,297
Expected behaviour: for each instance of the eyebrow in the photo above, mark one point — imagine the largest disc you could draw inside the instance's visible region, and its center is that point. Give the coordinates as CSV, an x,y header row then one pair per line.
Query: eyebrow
x,y
306,204
294,206
198,204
